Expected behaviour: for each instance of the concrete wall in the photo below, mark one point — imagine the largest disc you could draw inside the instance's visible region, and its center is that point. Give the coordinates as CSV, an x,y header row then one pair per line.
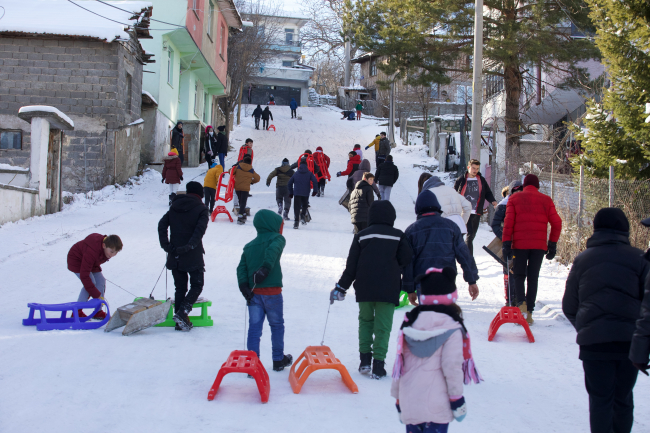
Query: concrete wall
x,y
17,203
302,85
128,143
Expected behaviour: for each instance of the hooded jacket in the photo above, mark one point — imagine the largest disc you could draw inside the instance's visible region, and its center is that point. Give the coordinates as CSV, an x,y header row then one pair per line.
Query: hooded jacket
x,y
210,141
387,174
360,200
263,251
177,139
299,184
376,258
374,143
436,242
528,214
353,165
283,173
245,176
266,114
499,216
293,104
484,191
222,143
187,220
257,112
357,176
603,293
172,171
86,257
454,206
640,348
384,146
427,383
212,177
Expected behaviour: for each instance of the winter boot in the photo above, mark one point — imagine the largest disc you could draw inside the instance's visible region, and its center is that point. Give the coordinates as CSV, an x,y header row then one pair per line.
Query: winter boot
x,y
99,316
296,224
285,215
529,318
322,191
279,208
378,370
523,308
303,220
80,312
284,362
366,361
171,198
182,318
241,220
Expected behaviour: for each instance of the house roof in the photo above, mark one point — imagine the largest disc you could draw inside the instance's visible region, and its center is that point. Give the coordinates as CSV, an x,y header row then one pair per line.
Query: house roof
x,y
89,19
230,13
365,57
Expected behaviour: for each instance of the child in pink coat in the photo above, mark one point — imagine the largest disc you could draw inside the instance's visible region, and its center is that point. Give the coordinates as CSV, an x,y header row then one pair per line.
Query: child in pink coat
x,y
433,357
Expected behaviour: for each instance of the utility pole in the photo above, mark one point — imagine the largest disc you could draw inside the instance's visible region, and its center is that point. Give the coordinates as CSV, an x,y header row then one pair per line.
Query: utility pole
x,y
391,113
477,83
347,62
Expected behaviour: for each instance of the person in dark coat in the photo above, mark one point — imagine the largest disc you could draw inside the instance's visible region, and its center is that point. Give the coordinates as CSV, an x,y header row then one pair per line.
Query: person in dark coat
x,y
282,197
187,220
177,140
347,114
473,186
294,106
257,113
210,145
602,300
360,200
386,175
376,258
640,348
299,186
437,242
266,114
222,145
384,149
172,173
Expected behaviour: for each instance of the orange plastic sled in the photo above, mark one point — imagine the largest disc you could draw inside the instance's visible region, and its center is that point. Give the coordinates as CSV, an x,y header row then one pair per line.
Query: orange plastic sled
x,y
271,127
317,358
244,361
509,315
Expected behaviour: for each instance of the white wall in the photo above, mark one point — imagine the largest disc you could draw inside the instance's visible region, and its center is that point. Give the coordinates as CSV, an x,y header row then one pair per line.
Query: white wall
x,y
17,203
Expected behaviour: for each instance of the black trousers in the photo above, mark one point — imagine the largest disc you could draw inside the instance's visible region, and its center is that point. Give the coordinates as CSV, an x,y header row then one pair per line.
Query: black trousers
x,y
209,158
265,123
360,226
321,186
293,114
209,196
180,282
526,266
609,385
282,197
472,227
257,123
299,206
243,198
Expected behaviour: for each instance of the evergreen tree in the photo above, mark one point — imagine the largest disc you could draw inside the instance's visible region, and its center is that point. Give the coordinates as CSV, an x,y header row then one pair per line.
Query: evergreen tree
x,y
429,36
615,129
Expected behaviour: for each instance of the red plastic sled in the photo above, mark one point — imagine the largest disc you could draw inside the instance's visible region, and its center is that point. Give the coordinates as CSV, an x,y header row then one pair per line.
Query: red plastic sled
x,y
244,361
509,315
227,197
243,151
271,127
322,164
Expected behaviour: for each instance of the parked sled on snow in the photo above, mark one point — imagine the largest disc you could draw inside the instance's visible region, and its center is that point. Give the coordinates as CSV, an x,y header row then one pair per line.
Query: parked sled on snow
x,y
140,314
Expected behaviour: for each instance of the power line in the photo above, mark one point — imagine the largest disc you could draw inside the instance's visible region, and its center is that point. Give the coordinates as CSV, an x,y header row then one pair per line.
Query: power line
x,y
95,13
152,19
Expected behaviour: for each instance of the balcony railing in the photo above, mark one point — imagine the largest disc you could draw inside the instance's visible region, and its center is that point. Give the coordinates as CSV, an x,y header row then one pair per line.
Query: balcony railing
x,y
293,47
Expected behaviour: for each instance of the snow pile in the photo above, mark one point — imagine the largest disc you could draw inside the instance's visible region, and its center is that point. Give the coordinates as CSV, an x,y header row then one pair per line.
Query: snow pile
x,y
61,17
136,122
144,92
13,167
46,108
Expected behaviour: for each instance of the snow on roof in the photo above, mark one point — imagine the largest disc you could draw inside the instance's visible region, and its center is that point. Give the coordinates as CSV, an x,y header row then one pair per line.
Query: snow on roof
x,y
13,167
144,92
30,108
137,122
61,17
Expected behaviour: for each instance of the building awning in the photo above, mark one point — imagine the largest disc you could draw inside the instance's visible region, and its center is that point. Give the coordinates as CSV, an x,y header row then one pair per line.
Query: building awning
x,y
553,108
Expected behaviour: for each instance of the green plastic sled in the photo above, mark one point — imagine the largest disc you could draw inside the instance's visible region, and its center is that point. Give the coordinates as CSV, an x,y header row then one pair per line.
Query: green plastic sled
x,y
202,320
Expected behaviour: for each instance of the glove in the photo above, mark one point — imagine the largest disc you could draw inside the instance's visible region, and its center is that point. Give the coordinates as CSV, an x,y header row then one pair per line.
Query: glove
x,y
260,275
246,292
459,409
181,178
507,250
337,294
290,196
169,248
367,149
210,152
338,174
184,249
313,194
268,184
552,250
162,180
642,367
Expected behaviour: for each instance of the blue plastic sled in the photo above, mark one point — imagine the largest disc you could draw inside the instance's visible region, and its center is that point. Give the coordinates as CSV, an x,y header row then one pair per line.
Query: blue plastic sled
x,y
47,324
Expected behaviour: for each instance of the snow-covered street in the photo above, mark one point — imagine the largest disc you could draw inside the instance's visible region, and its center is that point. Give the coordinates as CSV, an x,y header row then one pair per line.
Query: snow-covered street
x,y
157,380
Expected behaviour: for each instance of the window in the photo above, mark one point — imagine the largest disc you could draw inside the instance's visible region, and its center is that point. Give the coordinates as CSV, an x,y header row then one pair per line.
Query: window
x,y
205,108
196,98
128,92
435,91
287,64
170,66
222,42
11,140
210,13
463,94
373,67
288,36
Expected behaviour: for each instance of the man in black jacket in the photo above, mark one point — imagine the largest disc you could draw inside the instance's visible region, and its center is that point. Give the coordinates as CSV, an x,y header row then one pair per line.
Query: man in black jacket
x,y
473,186
376,258
360,200
177,140
222,145
384,149
386,176
640,349
265,118
602,300
187,220
257,113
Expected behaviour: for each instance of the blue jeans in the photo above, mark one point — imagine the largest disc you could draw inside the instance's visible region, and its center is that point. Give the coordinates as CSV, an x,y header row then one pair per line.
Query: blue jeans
x,y
98,279
271,307
222,158
427,427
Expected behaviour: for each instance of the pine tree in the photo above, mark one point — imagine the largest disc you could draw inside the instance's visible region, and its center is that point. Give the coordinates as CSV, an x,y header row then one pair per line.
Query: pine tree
x,y
428,36
615,129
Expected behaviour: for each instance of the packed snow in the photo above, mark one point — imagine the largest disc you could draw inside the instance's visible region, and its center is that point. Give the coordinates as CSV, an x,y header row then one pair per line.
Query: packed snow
x,y
47,109
144,92
157,380
62,17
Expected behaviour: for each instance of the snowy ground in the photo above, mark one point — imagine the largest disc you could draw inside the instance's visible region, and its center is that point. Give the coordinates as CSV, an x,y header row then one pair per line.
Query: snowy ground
x,y
158,380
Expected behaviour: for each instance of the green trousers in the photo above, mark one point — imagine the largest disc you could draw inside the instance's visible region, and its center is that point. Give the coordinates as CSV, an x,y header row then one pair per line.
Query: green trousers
x,y
375,318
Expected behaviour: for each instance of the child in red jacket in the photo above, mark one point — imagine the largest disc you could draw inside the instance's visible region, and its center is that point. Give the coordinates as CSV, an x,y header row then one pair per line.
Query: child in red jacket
x,y
85,258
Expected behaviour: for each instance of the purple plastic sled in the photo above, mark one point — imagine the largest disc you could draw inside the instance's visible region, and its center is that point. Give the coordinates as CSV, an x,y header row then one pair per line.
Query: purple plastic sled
x,y
47,324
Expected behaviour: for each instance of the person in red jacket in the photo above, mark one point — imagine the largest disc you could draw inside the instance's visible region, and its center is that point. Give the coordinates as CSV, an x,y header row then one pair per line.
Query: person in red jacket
x,y
525,226
321,172
85,259
172,173
353,165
